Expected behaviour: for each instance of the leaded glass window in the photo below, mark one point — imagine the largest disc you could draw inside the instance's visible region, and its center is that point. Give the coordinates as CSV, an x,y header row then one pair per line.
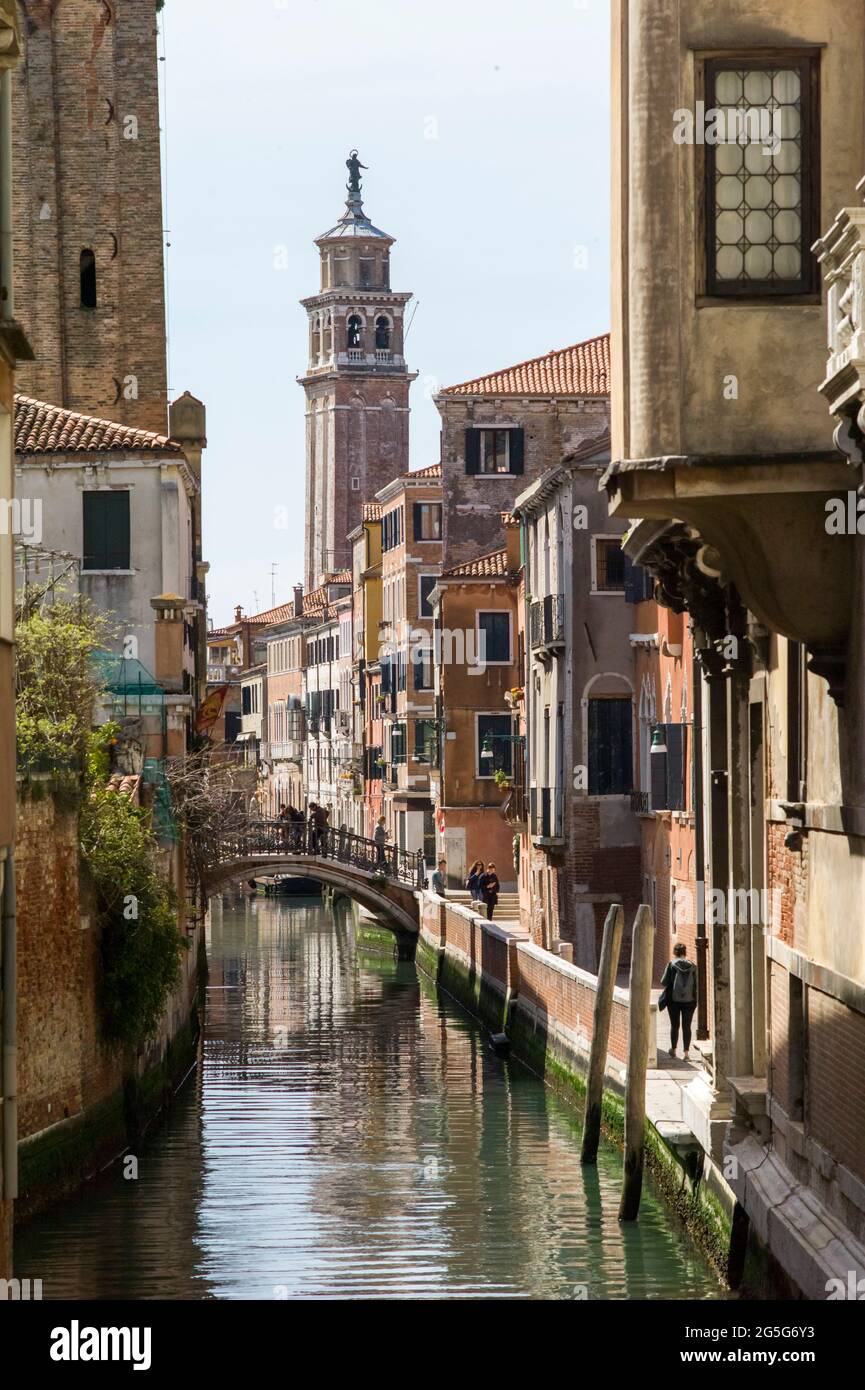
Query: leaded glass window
x,y
762,155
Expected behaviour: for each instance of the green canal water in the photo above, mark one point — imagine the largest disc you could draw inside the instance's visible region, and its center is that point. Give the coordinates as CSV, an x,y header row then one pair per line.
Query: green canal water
x,y
349,1134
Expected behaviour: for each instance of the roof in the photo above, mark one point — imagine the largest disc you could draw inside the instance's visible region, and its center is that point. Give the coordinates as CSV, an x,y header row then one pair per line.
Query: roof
x,y
51,429
580,370
433,470
372,511
353,223
493,565
588,448
124,784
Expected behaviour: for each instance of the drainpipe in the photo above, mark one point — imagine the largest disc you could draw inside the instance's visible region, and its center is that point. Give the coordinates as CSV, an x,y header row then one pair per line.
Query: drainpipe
x,y
10,1081
7,309
700,855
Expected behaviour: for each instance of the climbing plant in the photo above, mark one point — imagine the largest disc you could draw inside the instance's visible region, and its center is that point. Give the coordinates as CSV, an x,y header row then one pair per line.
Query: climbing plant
x,y
57,691
141,943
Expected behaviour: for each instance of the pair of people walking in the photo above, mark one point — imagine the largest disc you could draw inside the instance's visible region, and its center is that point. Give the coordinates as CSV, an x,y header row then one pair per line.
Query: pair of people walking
x,y
679,997
483,885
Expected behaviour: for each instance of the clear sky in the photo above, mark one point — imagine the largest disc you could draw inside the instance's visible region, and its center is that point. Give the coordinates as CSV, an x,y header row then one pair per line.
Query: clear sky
x,y
485,126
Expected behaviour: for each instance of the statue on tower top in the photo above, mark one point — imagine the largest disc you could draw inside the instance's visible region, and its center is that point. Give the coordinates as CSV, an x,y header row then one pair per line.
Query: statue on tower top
x,y
354,166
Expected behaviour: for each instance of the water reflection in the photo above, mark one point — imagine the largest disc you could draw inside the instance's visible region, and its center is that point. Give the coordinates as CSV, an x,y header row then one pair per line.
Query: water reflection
x,y
350,1134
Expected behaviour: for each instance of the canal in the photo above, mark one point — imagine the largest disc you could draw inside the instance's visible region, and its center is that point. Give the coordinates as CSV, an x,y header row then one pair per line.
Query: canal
x,y
349,1134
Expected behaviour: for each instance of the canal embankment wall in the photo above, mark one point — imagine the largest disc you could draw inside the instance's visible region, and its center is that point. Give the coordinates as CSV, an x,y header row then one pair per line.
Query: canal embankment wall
x,y
82,1101
544,1005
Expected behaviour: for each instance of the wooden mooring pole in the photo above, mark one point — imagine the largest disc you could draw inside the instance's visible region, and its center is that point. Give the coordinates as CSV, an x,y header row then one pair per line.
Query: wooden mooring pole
x,y
640,1015
613,931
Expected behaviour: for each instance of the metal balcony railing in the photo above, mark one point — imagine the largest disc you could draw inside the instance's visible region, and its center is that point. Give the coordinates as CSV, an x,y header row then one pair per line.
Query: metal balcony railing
x,y
547,622
640,803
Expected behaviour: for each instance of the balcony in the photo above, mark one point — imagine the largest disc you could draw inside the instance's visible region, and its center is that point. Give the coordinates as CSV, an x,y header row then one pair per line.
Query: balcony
x,y
547,623
640,803
515,807
546,815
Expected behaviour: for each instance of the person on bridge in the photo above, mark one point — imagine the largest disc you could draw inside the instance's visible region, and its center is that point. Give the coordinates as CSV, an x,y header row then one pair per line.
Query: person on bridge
x,y
489,886
379,836
438,880
320,818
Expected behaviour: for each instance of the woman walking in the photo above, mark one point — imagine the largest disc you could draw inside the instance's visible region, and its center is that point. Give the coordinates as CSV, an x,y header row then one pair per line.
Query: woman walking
x,y
473,880
679,985
489,889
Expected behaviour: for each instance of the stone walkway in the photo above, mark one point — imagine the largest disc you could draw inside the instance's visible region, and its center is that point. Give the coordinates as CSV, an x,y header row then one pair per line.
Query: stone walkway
x,y
664,1086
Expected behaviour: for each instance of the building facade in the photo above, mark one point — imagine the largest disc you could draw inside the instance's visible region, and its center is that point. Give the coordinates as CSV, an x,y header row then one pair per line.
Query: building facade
x,y
722,442
14,348
411,540
583,838
477,664
88,218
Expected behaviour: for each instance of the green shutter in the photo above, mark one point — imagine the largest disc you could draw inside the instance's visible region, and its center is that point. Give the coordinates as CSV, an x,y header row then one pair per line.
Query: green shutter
x,y
473,451
517,450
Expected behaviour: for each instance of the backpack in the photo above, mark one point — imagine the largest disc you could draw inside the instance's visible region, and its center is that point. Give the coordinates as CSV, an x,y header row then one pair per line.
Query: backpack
x,y
684,986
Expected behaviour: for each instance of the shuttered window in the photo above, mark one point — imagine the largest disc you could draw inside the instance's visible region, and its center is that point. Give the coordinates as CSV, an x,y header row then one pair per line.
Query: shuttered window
x,y
494,637
668,792
106,530
494,451
427,521
610,747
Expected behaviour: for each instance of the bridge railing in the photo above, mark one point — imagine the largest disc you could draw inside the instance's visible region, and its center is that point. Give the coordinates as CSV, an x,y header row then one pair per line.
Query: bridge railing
x,y
274,838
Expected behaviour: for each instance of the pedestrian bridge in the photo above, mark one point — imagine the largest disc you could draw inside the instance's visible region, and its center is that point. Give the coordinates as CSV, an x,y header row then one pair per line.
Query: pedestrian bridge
x,y
384,880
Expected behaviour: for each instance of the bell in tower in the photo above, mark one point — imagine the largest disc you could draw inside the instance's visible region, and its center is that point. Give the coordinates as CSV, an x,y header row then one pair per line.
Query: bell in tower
x,y
356,383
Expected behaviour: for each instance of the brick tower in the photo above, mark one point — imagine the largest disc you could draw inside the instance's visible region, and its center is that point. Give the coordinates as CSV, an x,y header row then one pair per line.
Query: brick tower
x,y
356,385
88,209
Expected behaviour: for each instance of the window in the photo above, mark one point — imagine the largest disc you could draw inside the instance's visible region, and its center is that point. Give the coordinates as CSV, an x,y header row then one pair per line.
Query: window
x,y
355,484
391,529
354,332
106,530
427,521
610,747
494,451
494,638
382,333
246,699
609,575
423,671
761,174
424,740
426,584
639,584
367,270
87,271
494,745
397,743
667,767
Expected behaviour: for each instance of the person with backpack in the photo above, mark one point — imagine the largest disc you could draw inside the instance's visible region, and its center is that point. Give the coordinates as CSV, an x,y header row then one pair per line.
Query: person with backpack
x,y
679,996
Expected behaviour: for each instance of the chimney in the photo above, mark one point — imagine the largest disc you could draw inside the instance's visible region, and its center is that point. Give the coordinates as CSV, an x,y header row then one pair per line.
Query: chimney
x,y
238,613
298,600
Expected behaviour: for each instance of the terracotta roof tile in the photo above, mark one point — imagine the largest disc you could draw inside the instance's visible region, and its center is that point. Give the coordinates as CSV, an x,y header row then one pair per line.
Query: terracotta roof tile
x,y
50,429
580,370
372,511
494,565
433,470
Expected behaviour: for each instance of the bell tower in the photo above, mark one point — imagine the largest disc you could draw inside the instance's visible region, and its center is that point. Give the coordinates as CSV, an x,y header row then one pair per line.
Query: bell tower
x,y
356,384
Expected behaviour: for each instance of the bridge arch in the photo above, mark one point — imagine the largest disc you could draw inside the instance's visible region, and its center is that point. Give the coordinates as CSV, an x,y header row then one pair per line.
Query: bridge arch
x,y
385,880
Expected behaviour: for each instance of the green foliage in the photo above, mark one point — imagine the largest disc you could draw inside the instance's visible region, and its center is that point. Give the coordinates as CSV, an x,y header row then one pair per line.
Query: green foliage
x,y
141,944
57,689
501,778
56,685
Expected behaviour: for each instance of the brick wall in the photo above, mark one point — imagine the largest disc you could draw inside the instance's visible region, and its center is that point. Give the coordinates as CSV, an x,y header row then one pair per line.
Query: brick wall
x,y
64,1067
835,1078
788,873
779,1026
560,996
80,183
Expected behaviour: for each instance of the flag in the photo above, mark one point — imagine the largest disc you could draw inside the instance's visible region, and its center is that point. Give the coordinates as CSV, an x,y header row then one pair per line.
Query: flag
x,y
210,709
